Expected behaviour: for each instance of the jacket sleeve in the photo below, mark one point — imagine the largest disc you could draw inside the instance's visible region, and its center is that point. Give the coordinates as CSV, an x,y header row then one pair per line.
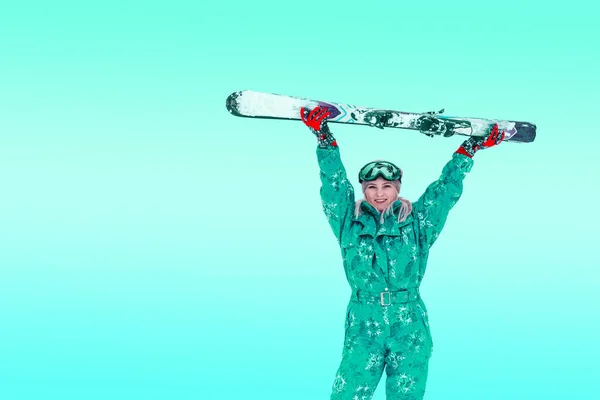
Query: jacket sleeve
x,y
337,193
431,210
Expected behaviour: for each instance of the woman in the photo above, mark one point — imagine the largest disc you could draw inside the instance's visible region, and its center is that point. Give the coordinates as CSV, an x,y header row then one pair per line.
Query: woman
x,y
385,241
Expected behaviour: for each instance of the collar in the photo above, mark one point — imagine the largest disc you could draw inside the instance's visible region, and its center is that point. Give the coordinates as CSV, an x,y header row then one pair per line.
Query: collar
x,y
369,219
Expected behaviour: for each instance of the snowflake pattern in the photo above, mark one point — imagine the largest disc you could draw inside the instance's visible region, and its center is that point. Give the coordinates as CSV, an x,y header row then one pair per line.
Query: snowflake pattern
x,y
404,316
424,222
395,359
375,361
392,272
339,383
350,344
365,250
415,341
371,279
413,252
405,383
330,210
373,328
363,393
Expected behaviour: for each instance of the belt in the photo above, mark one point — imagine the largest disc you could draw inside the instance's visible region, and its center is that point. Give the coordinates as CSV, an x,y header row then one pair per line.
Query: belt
x,y
387,298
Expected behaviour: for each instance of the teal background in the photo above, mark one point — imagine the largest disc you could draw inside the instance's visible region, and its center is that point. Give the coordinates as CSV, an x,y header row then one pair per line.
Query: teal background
x,y
152,246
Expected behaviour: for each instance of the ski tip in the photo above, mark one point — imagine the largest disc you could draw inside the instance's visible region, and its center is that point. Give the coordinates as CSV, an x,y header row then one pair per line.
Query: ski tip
x,y
231,103
526,133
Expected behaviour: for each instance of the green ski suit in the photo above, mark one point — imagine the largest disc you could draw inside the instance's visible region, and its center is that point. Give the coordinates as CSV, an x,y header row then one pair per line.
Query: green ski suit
x,y
386,321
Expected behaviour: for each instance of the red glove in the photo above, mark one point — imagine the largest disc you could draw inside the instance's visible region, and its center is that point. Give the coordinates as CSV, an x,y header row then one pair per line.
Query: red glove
x,y
475,143
316,120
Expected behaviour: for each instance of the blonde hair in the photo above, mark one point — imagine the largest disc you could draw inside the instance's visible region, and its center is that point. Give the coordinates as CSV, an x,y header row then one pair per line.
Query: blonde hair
x,y
405,207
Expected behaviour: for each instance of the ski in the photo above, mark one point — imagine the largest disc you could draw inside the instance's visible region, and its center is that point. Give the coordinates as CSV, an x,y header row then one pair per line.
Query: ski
x,y
248,103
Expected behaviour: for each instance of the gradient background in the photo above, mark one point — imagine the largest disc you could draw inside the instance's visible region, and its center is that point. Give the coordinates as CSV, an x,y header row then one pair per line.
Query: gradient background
x,y
152,246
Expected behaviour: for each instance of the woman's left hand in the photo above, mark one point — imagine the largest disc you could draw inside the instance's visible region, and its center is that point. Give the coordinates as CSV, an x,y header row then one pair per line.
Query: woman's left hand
x,y
474,144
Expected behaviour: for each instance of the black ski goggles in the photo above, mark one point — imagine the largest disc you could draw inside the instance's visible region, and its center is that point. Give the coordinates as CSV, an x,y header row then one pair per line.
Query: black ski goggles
x,y
376,169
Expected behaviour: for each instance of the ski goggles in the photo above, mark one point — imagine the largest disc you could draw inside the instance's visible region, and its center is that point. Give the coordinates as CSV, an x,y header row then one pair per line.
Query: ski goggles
x,y
376,169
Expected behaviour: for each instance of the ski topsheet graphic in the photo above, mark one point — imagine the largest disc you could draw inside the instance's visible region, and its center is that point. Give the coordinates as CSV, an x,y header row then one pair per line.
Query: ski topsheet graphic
x,y
248,103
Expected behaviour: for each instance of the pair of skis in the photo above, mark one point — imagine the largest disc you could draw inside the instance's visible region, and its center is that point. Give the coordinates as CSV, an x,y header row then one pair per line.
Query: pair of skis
x,y
247,103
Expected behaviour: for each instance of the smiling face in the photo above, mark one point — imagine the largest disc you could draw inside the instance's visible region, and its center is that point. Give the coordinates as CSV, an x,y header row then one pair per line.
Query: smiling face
x,y
380,193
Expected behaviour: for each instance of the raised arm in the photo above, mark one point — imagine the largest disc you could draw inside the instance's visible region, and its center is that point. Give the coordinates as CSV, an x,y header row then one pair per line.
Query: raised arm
x,y
337,193
433,207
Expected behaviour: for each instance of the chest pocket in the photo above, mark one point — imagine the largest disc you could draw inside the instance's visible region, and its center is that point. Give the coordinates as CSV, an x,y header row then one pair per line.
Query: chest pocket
x,y
359,252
